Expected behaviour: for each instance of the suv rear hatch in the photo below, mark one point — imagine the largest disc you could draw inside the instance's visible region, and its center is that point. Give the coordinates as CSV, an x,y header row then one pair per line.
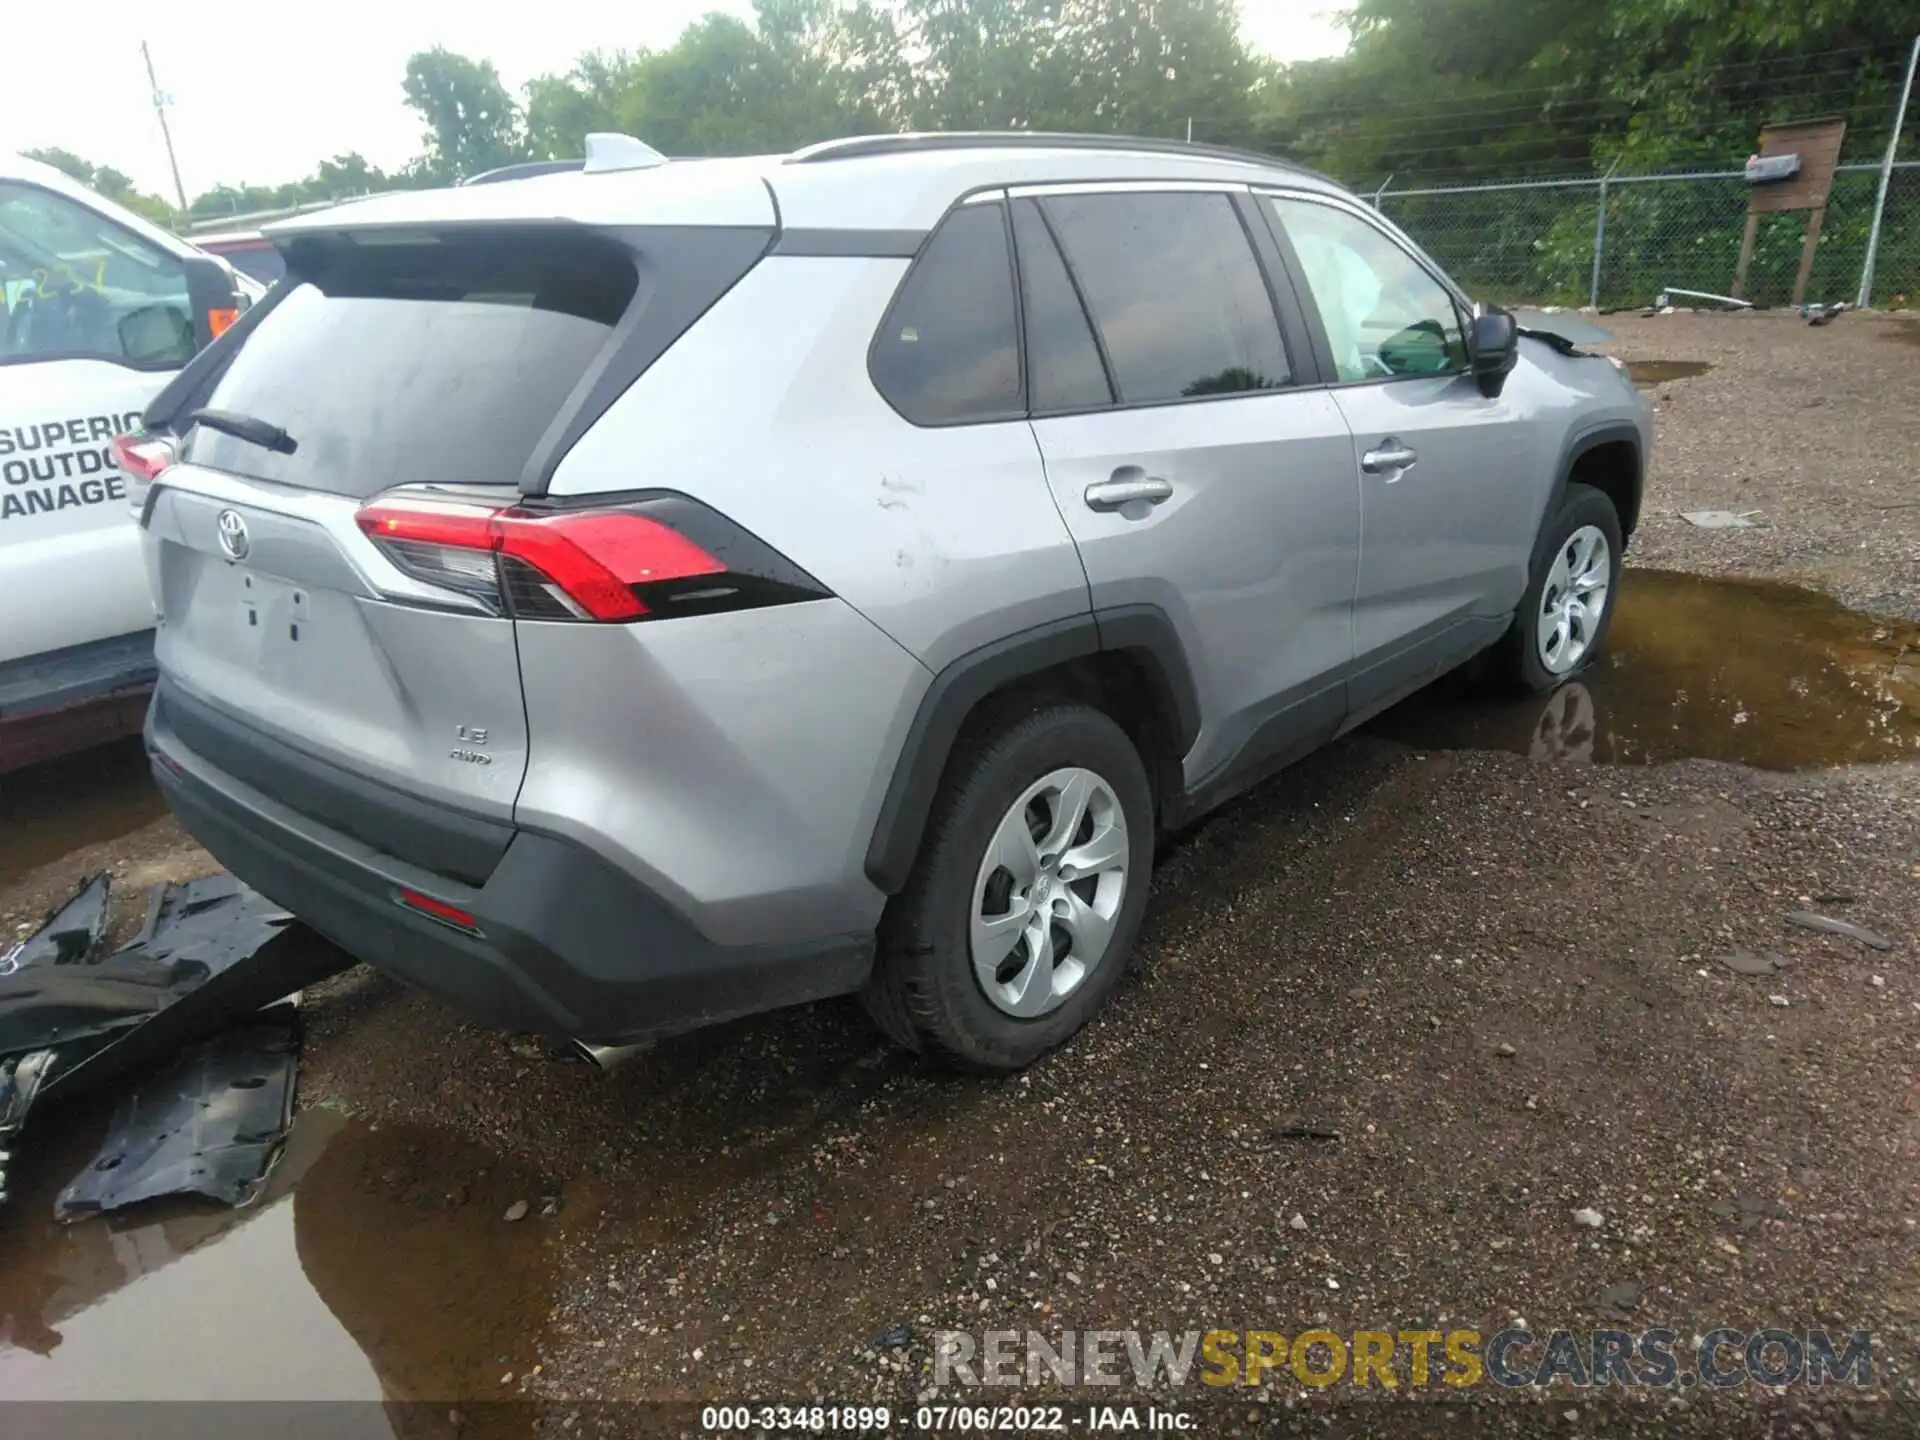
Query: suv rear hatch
x,y
347,664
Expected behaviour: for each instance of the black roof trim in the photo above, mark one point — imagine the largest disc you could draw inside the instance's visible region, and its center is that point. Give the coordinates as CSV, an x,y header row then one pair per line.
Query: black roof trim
x,y
523,170
862,146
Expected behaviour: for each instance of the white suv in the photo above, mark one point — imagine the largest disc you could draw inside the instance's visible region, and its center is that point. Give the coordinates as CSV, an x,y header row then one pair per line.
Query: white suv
x,y
98,309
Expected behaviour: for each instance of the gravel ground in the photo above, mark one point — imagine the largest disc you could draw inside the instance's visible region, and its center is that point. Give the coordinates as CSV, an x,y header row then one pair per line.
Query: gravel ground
x,y
1816,429
1489,983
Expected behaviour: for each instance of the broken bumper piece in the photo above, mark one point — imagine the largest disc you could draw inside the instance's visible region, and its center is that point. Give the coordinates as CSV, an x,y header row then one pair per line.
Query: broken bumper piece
x,y
210,1123
210,954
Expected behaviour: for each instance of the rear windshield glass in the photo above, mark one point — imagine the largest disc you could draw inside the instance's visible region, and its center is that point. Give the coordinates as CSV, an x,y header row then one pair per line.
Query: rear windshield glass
x,y
422,358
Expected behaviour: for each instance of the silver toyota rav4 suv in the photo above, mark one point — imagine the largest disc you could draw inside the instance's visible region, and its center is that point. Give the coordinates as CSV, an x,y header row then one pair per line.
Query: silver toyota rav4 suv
x,y
626,599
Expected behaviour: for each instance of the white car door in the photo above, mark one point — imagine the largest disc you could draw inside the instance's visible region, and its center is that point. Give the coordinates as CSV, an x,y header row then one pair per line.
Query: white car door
x,y
94,318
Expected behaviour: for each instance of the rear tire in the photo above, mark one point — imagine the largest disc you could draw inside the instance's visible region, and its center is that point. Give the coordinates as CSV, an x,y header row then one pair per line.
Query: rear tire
x,y
1563,618
1039,842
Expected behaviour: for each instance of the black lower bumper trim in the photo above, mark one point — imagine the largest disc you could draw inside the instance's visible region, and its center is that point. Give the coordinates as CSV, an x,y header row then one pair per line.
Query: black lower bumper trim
x,y
433,837
568,945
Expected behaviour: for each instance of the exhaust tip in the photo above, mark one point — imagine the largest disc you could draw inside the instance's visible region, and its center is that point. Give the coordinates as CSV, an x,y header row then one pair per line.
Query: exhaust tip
x,y
605,1058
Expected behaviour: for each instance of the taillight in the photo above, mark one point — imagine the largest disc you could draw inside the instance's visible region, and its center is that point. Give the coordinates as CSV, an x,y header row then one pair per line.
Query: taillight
x,y
635,562
142,457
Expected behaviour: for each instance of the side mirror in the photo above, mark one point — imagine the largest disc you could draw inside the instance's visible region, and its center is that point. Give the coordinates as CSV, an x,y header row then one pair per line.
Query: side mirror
x,y
1494,345
156,335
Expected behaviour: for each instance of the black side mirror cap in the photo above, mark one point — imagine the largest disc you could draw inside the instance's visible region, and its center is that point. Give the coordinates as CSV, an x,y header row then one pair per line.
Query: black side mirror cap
x,y
1494,345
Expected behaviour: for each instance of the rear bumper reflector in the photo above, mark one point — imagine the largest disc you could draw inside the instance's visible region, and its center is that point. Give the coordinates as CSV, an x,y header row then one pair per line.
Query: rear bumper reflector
x,y
439,910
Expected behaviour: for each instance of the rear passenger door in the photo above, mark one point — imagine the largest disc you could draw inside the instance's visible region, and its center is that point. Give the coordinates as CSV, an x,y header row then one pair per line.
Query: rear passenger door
x,y
1195,476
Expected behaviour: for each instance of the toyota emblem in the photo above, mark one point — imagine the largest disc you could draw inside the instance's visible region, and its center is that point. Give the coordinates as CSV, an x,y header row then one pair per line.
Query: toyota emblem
x,y
232,528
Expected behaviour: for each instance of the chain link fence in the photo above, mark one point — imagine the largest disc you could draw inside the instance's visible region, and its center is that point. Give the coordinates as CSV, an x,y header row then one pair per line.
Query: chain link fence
x,y
1545,242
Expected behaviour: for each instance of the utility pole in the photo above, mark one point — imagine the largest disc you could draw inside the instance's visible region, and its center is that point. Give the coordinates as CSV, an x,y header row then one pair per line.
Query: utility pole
x,y
160,109
1886,175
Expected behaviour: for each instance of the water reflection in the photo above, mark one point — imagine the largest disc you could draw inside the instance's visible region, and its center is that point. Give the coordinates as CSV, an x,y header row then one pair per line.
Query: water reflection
x,y
377,1266
1752,672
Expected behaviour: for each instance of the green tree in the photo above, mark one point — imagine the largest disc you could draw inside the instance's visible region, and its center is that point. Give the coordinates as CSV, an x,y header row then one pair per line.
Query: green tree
x,y
1456,89
107,181
814,69
342,176
725,89
562,110
471,121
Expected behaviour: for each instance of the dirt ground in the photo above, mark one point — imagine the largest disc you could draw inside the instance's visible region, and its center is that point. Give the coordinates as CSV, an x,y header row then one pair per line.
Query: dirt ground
x,y
1395,1018
1815,429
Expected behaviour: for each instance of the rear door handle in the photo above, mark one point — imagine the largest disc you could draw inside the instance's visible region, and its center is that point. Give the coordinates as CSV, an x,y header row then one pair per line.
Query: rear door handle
x,y
1391,455
1129,483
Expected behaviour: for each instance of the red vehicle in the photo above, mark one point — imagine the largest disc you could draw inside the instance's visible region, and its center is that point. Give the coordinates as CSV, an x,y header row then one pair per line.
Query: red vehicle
x,y
248,251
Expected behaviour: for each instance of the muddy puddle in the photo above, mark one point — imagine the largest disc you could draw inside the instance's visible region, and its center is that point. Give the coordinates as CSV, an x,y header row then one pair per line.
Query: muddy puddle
x,y
1752,672
377,1266
1658,372
64,805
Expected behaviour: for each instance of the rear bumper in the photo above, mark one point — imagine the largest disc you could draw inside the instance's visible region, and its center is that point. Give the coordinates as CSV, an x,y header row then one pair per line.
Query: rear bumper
x,y
567,944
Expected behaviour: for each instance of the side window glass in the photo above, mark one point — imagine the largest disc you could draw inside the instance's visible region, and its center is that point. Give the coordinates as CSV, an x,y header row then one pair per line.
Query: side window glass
x,y
1064,368
949,348
1175,290
76,284
1385,316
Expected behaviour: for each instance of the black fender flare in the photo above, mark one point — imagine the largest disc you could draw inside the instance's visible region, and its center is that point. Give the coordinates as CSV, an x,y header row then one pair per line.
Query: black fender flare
x,y
1578,443
1143,630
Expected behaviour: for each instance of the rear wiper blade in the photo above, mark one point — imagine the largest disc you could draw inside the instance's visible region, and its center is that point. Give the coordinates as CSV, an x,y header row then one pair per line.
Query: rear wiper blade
x,y
253,430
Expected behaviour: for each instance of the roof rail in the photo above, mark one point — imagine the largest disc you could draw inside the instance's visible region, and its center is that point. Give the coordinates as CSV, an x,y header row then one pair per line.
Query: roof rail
x,y
523,170
862,146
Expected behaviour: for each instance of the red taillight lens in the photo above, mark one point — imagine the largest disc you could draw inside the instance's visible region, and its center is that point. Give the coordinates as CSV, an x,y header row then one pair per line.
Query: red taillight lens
x,y
597,560
438,910
141,457
589,564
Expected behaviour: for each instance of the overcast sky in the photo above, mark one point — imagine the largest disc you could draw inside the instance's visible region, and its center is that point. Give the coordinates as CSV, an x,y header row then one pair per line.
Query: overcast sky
x,y
262,93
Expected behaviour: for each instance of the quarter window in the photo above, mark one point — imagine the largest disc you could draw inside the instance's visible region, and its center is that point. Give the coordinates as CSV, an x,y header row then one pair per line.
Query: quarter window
x,y
1385,316
949,349
1175,291
75,284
